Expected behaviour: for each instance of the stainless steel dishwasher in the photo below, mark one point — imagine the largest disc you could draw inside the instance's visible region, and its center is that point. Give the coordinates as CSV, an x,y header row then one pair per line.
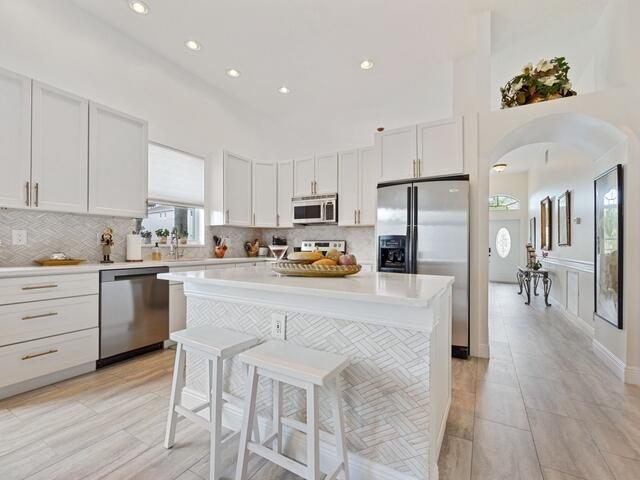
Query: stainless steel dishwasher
x,y
134,312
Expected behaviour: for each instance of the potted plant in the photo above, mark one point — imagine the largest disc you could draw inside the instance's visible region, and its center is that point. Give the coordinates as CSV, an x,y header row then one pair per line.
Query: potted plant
x,y
184,237
162,234
146,236
547,80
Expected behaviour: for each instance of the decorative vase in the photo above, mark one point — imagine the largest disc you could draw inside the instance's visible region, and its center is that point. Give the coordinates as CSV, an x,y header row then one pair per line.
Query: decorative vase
x,y
540,98
162,240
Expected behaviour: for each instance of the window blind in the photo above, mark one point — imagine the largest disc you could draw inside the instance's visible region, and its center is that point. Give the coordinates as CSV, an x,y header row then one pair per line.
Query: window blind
x,y
175,177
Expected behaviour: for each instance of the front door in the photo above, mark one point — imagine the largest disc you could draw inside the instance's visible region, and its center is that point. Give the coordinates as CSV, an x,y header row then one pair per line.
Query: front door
x,y
504,244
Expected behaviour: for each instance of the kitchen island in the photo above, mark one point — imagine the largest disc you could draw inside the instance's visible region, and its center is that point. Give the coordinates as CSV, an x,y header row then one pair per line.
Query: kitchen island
x,y
396,330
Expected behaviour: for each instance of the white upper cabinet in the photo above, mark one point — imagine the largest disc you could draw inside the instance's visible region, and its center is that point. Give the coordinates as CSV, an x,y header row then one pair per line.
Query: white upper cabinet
x,y
304,176
427,150
237,190
118,163
396,150
60,148
358,182
348,193
15,140
440,148
326,174
368,176
265,194
285,194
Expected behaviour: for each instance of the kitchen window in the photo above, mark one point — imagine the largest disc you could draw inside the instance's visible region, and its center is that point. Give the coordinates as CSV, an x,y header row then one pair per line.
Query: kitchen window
x,y
176,194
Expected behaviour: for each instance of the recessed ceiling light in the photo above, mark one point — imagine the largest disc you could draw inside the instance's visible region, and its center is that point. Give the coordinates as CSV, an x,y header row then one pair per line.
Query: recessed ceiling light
x,y
284,90
139,7
499,167
232,72
366,64
193,45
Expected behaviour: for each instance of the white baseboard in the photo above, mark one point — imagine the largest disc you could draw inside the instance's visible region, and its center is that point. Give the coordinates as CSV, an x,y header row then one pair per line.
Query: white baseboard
x,y
632,375
614,364
574,320
32,384
295,443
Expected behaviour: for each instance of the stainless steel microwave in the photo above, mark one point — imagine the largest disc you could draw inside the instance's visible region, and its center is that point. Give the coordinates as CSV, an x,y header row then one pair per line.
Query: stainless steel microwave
x,y
315,209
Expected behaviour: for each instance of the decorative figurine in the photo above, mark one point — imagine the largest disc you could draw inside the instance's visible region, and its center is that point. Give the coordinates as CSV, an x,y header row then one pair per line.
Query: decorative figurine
x,y
107,242
531,255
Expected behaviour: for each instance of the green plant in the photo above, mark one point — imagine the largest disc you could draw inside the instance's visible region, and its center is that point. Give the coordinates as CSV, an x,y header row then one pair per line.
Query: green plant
x,y
535,265
162,232
548,79
183,234
146,234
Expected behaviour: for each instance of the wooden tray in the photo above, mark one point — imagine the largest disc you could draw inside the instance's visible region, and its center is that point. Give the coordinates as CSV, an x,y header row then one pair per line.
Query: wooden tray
x,y
48,262
306,270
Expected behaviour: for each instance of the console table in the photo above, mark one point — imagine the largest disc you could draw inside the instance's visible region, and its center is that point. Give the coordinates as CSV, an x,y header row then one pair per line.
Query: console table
x,y
525,275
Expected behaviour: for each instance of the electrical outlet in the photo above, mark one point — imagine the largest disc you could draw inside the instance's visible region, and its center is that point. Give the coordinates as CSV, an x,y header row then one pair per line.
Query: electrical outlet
x,y
279,326
19,237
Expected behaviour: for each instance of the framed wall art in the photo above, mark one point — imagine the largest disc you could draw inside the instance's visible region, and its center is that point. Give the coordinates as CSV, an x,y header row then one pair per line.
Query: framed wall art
x,y
564,219
545,224
608,235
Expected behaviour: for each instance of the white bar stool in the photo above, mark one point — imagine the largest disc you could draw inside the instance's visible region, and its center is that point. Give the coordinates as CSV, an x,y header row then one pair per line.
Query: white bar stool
x,y
216,345
304,368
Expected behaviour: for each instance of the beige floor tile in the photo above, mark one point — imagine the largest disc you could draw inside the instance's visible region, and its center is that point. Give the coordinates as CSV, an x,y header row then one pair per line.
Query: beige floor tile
x,y
545,394
189,475
461,414
500,350
501,404
455,459
464,374
623,468
550,474
96,461
503,453
565,445
27,460
497,371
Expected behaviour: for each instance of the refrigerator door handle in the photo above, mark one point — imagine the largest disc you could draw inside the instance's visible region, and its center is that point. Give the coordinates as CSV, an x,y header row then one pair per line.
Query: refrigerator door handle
x,y
408,245
414,233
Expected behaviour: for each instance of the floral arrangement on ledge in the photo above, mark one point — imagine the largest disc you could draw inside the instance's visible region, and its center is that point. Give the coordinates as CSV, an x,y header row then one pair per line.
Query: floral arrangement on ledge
x,y
547,80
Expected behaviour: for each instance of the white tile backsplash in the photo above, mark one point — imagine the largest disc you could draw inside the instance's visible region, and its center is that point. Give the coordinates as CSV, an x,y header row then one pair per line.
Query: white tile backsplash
x,y
76,235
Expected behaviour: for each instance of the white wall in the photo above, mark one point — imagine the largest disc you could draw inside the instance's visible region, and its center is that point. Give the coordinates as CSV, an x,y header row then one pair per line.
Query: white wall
x,y
514,185
61,45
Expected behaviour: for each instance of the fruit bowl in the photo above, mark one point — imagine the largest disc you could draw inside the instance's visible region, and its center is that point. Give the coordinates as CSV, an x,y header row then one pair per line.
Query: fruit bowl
x,y
308,270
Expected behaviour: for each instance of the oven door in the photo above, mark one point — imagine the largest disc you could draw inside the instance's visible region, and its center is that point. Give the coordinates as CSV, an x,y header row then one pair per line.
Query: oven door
x,y
306,212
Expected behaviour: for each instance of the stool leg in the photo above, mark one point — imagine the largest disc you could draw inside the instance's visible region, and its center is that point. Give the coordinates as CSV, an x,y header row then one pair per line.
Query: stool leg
x,y
338,419
313,434
247,423
176,396
254,427
215,416
277,414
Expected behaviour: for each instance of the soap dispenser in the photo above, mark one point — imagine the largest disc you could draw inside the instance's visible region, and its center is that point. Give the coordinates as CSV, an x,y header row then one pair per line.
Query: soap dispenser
x,y
156,254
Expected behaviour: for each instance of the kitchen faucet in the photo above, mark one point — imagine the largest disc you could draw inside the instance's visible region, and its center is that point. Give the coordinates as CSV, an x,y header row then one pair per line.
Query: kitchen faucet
x,y
173,248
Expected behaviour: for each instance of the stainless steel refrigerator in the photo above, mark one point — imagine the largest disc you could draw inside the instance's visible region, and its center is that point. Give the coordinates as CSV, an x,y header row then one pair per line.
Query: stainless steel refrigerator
x,y
423,227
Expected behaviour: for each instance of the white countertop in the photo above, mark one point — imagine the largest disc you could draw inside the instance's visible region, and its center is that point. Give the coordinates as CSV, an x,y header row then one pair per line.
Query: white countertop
x,y
382,288
28,271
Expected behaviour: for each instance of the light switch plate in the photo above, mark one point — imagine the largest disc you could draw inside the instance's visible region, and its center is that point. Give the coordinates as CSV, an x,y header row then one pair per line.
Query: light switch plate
x,y
279,326
19,237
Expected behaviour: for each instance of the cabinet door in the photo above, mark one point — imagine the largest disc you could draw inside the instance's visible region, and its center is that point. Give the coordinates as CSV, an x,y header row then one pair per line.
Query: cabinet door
x,y
237,190
177,308
348,192
285,193
265,194
60,150
118,163
326,173
368,186
397,151
15,139
304,176
440,148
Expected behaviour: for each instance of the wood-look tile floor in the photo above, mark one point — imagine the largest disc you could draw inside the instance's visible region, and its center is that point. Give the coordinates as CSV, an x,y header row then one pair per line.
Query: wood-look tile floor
x,y
543,407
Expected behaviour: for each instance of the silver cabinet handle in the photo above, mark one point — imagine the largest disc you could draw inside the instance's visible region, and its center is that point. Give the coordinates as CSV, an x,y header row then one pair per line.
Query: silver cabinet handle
x,y
254,219
38,287
31,317
419,162
37,189
29,357
358,216
227,215
355,216
414,169
312,186
277,219
28,201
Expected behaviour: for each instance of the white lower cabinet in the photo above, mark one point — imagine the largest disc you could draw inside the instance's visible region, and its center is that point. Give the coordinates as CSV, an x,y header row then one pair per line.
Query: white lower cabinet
x,y
28,360
47,287
22,322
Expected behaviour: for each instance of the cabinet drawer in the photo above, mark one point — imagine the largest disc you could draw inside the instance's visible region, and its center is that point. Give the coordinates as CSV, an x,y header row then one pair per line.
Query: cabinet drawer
x,y
28,360
45,287
22,322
